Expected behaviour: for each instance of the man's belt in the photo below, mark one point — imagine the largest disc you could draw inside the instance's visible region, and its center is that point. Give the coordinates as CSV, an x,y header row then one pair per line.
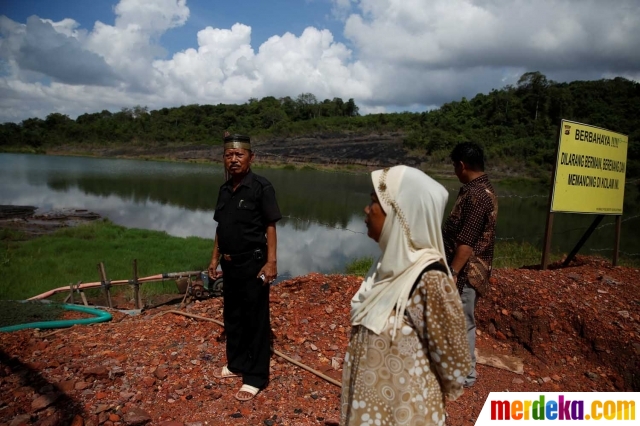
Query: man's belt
x,y
257,254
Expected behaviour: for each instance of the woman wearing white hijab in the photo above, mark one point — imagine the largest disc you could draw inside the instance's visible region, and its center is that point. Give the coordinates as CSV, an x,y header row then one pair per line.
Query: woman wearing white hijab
x,y
408,348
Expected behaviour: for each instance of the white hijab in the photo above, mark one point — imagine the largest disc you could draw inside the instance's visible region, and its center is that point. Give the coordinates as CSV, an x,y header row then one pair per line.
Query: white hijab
x,y
411,239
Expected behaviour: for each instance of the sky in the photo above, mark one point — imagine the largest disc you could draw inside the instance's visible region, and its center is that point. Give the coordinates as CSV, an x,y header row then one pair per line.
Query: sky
x,y
79,56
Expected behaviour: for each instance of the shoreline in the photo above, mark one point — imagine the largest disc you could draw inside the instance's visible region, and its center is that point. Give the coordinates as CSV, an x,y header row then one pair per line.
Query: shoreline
x,y
194,154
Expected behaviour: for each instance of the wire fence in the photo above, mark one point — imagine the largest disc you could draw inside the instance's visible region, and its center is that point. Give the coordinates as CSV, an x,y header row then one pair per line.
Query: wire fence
x,y
515,239
346,164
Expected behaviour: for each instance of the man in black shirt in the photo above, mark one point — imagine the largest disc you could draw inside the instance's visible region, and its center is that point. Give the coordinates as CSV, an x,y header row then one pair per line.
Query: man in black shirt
x,y
245,247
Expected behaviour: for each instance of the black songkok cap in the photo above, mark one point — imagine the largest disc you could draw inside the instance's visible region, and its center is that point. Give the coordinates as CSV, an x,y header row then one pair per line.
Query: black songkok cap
x,y
237,141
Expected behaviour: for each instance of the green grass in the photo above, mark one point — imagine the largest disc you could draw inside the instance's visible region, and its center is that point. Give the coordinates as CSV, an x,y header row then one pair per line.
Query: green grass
x,y
13,312
29,268
506,255
516,255
359,266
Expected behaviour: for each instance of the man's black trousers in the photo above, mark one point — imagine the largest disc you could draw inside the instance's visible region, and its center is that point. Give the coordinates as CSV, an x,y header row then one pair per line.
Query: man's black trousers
x,y
246,321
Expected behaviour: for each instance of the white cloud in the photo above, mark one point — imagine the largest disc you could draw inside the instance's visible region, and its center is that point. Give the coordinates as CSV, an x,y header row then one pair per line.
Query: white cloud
x,y
39,45
444,49
153,17
399,53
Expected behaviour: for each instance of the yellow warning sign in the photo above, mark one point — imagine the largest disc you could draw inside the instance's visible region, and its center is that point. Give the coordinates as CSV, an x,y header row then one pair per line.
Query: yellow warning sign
x,y
590,170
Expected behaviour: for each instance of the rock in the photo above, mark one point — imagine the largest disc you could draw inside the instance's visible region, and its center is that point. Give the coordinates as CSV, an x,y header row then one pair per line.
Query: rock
x,y
36,365
149,381
575,277
517,381
136,416
172,423
22,419
500,336
114,417
161,372
100,408
492,329
82,385
77,421
592,376
556,377
332,422
313,347
236,415
46,389
100,371
269,422
116,372
126,395
67,385
517,315
44,401
608,280
546,379
624,314
52,420
599,345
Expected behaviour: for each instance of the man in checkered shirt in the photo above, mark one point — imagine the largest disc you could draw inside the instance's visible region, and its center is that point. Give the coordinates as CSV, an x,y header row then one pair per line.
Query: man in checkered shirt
x,y
469,236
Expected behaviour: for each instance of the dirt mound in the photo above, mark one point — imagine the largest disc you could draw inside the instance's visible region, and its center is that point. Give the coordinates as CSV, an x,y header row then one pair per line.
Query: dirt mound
x,y
575,329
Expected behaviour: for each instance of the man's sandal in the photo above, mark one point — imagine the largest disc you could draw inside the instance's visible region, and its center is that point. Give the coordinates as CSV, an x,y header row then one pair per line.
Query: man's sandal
x,y
246,392
224,373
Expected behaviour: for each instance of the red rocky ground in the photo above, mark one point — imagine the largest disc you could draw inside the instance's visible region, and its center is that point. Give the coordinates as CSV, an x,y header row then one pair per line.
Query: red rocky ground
x,y
576,329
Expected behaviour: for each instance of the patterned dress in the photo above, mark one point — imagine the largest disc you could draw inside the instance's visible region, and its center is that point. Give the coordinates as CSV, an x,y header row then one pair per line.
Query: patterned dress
x,y
396,381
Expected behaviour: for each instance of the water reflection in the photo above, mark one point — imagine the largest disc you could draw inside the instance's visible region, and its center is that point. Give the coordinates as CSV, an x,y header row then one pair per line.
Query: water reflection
x,y
182,205
180,199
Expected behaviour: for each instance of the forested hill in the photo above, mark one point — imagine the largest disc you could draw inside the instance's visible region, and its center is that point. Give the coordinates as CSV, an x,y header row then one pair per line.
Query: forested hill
x,y
516,123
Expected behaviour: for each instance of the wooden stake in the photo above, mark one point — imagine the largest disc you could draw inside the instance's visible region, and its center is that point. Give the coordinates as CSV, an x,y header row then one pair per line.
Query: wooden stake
x,y
105,284
616,243
70,295
584,239
546,245
136,285
546,248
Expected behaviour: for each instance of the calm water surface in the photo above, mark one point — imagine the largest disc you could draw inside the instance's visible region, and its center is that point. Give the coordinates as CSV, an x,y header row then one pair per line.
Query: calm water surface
x,y
323,226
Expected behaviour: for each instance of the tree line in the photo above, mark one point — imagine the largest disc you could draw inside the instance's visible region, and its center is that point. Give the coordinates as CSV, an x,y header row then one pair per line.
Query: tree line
x,y
517,123
188,124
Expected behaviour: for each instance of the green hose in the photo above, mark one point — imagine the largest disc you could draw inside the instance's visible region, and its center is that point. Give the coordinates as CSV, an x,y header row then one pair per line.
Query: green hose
x,y
100,316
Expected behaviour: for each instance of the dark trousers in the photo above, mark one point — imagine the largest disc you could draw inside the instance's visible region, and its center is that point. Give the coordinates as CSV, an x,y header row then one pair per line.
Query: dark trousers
x,y
246,321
